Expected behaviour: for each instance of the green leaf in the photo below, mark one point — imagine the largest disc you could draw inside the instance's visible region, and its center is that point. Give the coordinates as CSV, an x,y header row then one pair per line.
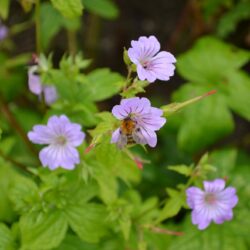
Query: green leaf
x,y
224,160
103,8
182,169
7,177
7,241
228,22
103,127
88,221
108,190
126,58
216,237
238,96
4,8
210,61
72,242
117,162
101,84
49,29
176,200
134,89
202,123
42,231
23,194
69,8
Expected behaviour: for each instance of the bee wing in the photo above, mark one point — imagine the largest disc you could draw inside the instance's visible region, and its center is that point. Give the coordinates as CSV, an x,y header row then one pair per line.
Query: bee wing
x,y
122,141
138,137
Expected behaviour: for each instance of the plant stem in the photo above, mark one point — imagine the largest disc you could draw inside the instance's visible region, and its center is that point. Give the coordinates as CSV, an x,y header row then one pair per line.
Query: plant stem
x,y
14,162
165,231
4,108
38,27
127,83
72,42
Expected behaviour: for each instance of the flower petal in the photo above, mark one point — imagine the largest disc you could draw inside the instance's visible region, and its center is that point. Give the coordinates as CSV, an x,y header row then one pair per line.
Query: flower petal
x,y
34,82
115,136
143,49
74,135
164,57
119,112
200,219
150,136
228,198
55,156
50,94
41,135
214,186
194,195
222,216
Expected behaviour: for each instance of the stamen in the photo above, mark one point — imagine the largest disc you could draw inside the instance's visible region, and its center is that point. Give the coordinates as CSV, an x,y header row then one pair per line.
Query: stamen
x,y
61,140
210,198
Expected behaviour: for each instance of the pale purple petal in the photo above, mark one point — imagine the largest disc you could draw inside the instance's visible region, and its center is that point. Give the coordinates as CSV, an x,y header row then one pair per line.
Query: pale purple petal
x,y
135,105
115,136
50,94
74,134
164,57
214,204
214,186
142,73
54,157
150,137
62,137
34,82
152,122
149,46
200,219
194,194
228,197
57,124
3,32
41,135
156,111
150,75
150,65
119,112
224,215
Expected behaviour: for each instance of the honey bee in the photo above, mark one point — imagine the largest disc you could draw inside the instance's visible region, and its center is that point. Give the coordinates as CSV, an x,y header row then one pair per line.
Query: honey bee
x,y
129,133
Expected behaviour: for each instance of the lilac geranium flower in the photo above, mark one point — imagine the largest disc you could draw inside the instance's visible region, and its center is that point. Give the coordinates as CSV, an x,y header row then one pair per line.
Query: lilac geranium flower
x,y
213,204
38,88
62,137
3,31
139,121
150,63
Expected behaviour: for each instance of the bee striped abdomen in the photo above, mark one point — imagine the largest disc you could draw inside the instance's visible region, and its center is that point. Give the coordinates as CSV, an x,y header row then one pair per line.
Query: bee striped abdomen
x,y
130,139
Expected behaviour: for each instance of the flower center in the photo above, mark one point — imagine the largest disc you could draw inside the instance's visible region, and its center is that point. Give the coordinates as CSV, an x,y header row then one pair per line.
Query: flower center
x,y
145,63
61,140
210,198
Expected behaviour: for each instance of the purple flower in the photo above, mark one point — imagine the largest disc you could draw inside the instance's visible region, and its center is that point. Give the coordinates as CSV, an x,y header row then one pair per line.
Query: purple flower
x,y
151,64
62,137
38,88
139,121
3,31
213,204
